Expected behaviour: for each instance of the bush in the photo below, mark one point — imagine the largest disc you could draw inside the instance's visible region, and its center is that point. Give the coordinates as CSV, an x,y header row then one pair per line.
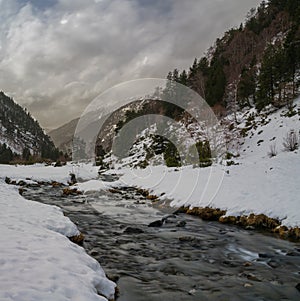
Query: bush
x,y
291,141
273,151
172,162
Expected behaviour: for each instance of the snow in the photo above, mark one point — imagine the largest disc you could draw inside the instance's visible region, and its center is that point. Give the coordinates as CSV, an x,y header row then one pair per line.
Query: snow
x,y
38,261
259,184
40,172
93,185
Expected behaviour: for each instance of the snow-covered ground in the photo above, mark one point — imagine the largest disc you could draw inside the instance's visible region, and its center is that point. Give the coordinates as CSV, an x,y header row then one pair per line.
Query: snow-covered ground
x,y
40,172
37,260
259,184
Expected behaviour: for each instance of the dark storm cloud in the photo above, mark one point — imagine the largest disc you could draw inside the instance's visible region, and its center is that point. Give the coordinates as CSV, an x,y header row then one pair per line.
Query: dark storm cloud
x,y
56,56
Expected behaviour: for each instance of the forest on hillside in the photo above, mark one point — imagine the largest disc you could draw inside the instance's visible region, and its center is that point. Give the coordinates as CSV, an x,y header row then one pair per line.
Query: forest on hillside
x,y
255,64
21,137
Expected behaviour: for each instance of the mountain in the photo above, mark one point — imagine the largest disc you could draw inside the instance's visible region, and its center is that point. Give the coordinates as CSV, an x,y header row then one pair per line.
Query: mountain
x,y
62,136
21,135
255,65
252,68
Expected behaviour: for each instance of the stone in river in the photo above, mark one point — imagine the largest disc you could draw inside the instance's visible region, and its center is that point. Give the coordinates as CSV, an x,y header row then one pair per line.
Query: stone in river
x,y
132,230
157,223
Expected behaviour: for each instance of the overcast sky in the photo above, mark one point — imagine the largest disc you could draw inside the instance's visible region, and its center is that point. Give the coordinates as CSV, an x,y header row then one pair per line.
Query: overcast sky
x,y
57,55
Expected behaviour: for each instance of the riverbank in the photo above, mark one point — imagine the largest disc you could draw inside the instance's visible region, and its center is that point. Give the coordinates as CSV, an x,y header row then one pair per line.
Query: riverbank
x,y
182,258
121,234
38,260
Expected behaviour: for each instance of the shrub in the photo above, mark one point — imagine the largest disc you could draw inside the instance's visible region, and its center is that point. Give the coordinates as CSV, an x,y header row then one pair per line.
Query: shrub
x,y
172,162
273,151
291,141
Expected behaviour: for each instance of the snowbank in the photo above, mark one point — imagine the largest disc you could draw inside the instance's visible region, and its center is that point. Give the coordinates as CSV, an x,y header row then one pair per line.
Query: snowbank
x,y
270,187
259,184
40,172
38,262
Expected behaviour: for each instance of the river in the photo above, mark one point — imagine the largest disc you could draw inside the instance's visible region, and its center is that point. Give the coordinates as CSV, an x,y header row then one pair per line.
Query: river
x,y
184,259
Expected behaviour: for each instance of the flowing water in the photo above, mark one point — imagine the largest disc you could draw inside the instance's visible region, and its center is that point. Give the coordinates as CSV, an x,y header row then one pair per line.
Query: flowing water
x,y
184,259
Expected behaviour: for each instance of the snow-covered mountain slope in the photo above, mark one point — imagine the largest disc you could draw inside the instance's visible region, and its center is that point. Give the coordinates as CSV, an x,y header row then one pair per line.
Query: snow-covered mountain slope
x,y
18,130
257,179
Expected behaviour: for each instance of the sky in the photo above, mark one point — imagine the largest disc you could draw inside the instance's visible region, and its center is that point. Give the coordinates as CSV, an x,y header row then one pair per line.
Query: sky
x,y
56,56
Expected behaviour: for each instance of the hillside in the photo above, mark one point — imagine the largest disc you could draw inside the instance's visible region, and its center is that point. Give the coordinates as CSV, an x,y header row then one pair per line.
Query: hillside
x,y
258,175
255,64
21,135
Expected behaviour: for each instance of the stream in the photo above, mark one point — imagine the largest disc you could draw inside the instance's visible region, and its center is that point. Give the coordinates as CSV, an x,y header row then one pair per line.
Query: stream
x,y
184,259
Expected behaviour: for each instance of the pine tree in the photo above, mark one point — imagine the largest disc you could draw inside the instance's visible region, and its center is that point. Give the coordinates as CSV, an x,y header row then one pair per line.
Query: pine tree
x,y
216,82
246,87
183,78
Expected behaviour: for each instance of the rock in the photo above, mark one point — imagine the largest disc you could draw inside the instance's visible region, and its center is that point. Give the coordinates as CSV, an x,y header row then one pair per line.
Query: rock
x,y
228,219
248,285
21,183
132,230
77,239
113,190
157,223
143,192
294,233
7,180
298,287
253,277
73,179
186,238
152,197
169,219
57,164
291,253
264,255
283,231
94,253
273,264
230,263
71,191
56,184
113,278
192,292
261,221
138,202
21,190
181,224
181,210
207,213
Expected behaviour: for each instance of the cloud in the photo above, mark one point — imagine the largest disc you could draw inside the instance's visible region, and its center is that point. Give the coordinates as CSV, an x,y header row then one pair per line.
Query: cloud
x,y
54,59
